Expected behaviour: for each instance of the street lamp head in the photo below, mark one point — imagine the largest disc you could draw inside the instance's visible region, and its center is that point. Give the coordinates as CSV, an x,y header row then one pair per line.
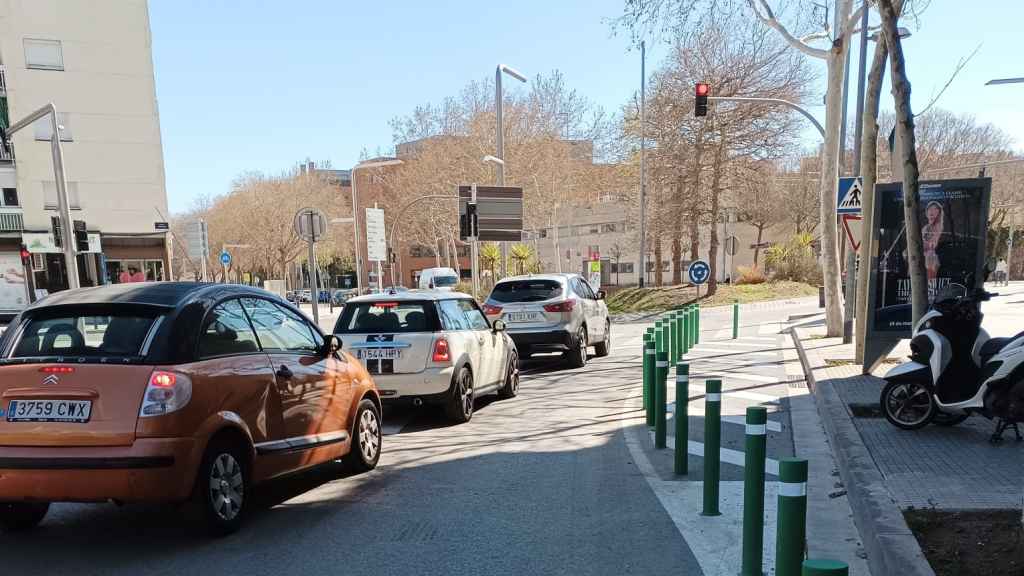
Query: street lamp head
x,y
995,81
493,159
512,72
904,33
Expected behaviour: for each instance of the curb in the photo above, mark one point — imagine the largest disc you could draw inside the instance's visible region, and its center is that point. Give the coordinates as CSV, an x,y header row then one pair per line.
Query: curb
x,y
890,545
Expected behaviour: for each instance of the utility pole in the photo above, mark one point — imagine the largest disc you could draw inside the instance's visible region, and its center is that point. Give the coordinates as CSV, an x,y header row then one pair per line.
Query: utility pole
x,y
474,244
643,166
500,138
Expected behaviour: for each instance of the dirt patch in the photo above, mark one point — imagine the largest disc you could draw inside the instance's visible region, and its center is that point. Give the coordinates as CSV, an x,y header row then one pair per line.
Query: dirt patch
x,y
671,297
974,543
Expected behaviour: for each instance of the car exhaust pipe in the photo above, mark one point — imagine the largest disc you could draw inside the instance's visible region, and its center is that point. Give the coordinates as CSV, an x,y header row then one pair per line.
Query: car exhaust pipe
x,y
417,402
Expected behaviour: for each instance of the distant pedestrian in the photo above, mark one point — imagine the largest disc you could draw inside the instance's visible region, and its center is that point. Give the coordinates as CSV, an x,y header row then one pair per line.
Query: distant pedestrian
x,y
1002,272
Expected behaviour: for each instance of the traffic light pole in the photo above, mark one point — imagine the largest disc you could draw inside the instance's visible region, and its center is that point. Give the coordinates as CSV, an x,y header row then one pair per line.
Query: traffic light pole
x,y
63,206
474,245
796,107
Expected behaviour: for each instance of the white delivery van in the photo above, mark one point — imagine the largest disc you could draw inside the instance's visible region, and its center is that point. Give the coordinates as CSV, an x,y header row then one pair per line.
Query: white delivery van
x,y
438,278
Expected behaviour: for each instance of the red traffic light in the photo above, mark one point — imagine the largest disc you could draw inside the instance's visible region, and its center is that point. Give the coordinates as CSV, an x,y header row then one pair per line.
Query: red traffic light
x,y
703,89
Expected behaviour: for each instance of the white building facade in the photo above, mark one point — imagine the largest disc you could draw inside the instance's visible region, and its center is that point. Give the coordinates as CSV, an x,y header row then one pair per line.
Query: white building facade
x,y
93,60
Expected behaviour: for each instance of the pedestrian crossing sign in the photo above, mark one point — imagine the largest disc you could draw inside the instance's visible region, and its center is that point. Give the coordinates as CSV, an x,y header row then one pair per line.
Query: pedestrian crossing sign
x,y
850,195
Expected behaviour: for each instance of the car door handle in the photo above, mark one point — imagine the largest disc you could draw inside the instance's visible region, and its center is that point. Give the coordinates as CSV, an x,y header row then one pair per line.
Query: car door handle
x,y
284,372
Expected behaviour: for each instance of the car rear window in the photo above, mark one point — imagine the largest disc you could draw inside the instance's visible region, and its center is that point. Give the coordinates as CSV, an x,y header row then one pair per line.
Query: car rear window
x,y
526,291
444,281
85,335
384,317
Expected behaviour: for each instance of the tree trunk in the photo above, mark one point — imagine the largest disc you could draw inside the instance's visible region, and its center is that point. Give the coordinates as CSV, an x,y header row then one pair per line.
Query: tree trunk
x,y
677,256
830,175
868,173
757,246
657,261
908,157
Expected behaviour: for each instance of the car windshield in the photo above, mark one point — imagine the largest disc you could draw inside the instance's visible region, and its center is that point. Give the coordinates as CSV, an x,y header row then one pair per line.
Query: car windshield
x,y
381,317
526,291
445,281
112,334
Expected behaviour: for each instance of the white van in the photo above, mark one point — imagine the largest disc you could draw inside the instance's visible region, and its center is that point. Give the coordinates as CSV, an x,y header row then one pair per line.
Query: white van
x,y
438,278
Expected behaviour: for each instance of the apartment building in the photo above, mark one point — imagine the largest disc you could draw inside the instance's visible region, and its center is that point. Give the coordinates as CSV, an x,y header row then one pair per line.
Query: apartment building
x,y
93,61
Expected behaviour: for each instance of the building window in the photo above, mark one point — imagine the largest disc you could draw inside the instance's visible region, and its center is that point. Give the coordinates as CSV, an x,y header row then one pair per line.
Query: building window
x,y
50,195
593,229
43,54
10,197
610,227
542,233
462,251
43,130
622,267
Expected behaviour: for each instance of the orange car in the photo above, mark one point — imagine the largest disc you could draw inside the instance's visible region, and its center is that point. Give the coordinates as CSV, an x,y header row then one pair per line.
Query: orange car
x,y
172,392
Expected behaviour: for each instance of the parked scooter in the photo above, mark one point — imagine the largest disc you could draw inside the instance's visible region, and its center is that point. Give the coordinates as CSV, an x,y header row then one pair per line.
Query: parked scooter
x,y
956,370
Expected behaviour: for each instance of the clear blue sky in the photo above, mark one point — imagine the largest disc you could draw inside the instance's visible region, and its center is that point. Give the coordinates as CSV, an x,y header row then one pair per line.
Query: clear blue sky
x,y
262,84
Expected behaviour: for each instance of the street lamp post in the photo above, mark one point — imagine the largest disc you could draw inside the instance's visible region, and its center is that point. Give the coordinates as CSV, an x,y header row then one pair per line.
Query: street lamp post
x,y
63,205
355,216
500,138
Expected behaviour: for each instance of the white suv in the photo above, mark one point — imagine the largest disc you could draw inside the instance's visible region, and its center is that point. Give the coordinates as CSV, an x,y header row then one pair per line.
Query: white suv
x,y
433,347
552,313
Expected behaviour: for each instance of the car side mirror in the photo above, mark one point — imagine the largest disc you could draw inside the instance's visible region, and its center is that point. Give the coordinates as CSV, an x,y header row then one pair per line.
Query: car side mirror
x,y
499,326
600,294
331,345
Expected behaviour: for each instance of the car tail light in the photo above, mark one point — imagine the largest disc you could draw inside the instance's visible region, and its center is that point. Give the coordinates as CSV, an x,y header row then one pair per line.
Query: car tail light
x,y
166,392
441,351
491,309
565,306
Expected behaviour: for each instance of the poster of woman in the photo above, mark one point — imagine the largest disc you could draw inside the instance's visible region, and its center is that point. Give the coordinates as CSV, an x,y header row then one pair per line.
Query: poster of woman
x,y
953,215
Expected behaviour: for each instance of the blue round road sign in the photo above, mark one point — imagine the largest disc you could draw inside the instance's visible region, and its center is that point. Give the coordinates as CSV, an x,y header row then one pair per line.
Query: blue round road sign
x,y
225,258
699,272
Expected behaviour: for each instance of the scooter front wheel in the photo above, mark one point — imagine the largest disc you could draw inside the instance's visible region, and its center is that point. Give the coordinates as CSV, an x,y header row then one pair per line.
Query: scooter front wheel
x,y
907,405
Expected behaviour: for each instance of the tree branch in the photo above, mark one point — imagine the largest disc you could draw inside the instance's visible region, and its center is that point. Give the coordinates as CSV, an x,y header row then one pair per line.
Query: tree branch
x,y
770,21
959,66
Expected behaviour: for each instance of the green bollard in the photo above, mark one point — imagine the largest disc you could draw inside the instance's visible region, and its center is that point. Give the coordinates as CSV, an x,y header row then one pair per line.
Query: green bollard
x,y
696,332
712,445
646,382
791,523
735,320
682,418
649,372
670,318
666,338
825,568
660,398
753,491
693,326
678,326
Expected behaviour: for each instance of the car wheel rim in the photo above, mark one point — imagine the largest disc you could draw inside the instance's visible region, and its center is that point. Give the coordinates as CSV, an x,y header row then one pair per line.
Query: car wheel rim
x,y
369,435
909,403
227,487
514,375
583,346
607,337
467,395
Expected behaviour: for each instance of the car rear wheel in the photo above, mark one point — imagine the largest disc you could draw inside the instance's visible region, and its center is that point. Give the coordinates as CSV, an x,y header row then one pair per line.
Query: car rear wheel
x,y
511,387
603,347
460,405
577,357
366,444
907,405
15,516
222,487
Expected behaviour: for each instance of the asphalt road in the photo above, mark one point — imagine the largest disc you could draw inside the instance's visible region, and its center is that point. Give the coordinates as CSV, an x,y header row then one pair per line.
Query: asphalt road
x,y
539,484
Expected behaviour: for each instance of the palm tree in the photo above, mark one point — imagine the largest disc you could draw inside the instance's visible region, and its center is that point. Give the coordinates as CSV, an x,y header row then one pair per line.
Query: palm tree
x,y
489,257
521,253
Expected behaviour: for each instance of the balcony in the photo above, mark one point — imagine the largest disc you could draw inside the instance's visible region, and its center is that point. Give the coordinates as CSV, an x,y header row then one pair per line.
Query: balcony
x,y
11,220
6,154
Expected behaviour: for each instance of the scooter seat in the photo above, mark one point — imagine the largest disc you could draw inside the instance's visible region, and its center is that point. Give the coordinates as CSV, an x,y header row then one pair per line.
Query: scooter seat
x,y
994,345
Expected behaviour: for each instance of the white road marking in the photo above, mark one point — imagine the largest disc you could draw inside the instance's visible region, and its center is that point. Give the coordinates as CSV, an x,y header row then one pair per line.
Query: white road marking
x,y
751,377
700,349
759,338
770,328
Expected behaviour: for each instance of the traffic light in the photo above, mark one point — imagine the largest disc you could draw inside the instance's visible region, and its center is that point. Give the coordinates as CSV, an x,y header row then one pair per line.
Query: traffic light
x,y
700,107
81,236
58,233
468,222
26,256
